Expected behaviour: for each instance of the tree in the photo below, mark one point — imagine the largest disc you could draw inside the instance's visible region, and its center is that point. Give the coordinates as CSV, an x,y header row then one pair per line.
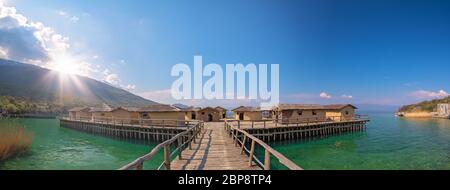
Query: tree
x,y
11,108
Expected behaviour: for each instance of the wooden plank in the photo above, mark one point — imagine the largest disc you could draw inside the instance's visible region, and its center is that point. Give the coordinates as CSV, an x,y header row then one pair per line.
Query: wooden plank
x,y
214,150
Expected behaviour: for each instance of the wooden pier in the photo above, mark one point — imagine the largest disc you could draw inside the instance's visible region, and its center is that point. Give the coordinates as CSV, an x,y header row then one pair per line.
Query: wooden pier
x,y
274,132
154,133
214,148
226,145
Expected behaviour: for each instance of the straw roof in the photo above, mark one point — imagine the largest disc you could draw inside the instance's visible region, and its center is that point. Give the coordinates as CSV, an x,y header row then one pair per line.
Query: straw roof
x,y
247,109
209,108
104,108
220,108
191,109
130,109
313,107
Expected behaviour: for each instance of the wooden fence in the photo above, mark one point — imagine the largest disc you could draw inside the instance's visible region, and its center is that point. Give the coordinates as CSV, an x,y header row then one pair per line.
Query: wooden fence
x,y
180,141
241,137
267,123
135,122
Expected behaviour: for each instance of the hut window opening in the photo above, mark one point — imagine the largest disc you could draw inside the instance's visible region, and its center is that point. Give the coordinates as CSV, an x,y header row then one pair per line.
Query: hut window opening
x,y
314,113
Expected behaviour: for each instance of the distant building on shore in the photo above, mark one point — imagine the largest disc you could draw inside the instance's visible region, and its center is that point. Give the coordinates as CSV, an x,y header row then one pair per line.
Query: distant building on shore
x,y
443,110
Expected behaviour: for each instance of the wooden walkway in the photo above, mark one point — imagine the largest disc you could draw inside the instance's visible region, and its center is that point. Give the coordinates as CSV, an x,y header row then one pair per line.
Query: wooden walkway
x,y
213,150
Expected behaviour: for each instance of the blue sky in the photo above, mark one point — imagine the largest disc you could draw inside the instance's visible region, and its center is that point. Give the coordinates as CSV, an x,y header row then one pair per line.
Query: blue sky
x,y
373,52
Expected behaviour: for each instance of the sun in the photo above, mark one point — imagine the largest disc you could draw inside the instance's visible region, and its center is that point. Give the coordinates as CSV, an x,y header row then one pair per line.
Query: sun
x,y
66,65
66,68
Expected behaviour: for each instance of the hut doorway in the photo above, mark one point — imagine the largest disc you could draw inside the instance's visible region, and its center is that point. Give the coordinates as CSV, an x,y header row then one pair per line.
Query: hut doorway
x,y
193,116
210,117
241,116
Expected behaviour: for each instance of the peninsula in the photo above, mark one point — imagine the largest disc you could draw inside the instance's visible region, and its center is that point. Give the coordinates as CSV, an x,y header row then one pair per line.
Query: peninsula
x,y
435,108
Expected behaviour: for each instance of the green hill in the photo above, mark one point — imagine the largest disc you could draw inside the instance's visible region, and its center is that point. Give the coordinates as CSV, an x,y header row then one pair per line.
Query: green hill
x,y
426,106
34,84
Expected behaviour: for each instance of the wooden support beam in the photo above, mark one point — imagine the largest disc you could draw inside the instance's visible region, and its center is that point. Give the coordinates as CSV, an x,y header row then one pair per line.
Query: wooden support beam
x,y
266,160
167,156
243,144
252,152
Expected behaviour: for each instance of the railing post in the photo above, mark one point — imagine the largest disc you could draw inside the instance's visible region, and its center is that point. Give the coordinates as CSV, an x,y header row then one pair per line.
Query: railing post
x,y
140,166
194,136
236,139
180,142
266,160
252,152
167,156
243,144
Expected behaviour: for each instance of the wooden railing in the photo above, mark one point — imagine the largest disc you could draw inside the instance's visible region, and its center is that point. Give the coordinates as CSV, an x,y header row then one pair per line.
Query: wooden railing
x,y
317,119
264,123
241,137
180,141
136,122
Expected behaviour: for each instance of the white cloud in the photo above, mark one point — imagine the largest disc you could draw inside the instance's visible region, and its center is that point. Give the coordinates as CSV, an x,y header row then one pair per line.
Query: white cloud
x,y
74,18
23,39
3,53
32,42
62,13
112,79
429,94
68,16
347,96
325,95
130,87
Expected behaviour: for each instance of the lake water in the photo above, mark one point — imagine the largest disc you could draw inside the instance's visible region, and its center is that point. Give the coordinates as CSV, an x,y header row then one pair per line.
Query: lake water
x,y
388,143
60,148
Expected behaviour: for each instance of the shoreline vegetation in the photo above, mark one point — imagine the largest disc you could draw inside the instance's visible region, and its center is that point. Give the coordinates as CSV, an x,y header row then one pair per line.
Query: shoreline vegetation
x,y
12,106
425,109
14,141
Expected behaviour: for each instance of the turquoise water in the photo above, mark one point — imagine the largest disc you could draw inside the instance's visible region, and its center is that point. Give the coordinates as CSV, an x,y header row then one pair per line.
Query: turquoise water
x,y
389,143
65,149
